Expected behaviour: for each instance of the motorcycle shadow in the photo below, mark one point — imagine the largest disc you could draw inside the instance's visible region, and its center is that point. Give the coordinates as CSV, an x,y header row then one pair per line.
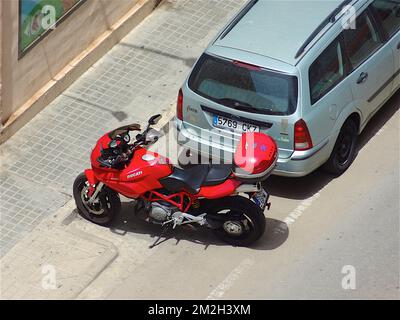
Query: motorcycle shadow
x,y
127,222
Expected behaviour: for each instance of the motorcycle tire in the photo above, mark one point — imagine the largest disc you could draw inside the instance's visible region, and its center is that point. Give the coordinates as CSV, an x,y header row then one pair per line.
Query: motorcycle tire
x,y
242,221
104,210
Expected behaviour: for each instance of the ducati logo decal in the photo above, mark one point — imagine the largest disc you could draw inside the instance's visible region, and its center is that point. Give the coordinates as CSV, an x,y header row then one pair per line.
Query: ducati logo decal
x,y
135,175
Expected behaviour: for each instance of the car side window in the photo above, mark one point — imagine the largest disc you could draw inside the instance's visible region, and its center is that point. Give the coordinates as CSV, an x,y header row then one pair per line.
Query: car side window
x,y
388,13
361,42
327,71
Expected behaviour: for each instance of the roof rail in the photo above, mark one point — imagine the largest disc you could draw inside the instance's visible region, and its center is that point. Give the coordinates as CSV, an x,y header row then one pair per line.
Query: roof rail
x,y
235,21
330,18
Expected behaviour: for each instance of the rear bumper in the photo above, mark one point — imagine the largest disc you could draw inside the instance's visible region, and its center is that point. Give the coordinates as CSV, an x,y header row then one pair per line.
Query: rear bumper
x,y
302,163
299,164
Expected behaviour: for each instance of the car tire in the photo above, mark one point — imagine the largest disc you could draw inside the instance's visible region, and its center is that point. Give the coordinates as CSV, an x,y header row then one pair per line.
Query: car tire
x,y
344,152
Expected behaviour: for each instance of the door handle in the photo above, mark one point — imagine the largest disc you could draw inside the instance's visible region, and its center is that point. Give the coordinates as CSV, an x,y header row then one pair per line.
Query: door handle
x,y
362,78
398,46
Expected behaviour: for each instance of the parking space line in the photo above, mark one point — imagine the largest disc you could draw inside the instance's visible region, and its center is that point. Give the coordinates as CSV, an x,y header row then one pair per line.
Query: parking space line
x,y
296,213
229,281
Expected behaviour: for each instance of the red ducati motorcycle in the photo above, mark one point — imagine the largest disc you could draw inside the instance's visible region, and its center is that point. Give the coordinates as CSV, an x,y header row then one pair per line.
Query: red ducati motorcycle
x,y
206,195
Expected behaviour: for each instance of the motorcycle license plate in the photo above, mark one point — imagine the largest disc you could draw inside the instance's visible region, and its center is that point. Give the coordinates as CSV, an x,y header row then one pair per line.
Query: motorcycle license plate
x,y
261,199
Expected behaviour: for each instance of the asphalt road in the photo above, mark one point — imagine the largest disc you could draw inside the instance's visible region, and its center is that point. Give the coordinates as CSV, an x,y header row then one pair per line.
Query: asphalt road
x,y
341,241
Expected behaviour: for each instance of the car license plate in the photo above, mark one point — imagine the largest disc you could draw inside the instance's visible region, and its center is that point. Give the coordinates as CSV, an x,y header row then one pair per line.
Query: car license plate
x,y
234,125
261,199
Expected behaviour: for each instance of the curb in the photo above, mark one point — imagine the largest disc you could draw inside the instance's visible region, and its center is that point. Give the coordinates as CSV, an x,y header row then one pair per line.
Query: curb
x,y
54,261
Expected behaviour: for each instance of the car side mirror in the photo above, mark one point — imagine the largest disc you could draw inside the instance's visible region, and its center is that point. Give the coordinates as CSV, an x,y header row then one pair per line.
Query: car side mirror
x,y
155,119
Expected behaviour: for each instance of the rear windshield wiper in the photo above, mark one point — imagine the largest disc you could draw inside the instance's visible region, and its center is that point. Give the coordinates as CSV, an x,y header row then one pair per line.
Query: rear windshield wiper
x,y
243,106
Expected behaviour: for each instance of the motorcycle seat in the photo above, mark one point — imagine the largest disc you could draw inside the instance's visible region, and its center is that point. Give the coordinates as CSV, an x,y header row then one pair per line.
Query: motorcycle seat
x,y
193,178
217,174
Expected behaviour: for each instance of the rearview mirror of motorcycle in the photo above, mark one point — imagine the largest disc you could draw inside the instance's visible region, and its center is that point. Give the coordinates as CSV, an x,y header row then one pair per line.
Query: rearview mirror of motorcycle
x,y
155,119
127,138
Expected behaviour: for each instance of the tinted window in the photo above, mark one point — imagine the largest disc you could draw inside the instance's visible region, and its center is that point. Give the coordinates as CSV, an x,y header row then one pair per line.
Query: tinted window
x,y
244,87
388,13
362,41
327,71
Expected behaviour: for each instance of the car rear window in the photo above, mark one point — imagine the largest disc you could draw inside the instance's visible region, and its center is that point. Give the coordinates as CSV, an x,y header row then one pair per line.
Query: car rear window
x,y
244,87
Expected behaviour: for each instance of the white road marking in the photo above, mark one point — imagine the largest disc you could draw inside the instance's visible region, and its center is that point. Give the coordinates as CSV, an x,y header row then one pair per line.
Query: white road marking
x,y
229,281
296,213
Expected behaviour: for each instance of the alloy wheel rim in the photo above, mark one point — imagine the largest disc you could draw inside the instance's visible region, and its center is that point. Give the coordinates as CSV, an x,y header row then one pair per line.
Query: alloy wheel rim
x,y
95,208
238,227
233,227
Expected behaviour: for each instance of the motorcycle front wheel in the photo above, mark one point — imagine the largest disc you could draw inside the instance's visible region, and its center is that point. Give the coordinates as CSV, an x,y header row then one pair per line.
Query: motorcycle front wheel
x,y
105,207
241,222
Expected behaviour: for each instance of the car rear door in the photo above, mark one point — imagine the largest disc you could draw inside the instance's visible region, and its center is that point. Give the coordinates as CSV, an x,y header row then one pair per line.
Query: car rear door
x,y
329,91
371,62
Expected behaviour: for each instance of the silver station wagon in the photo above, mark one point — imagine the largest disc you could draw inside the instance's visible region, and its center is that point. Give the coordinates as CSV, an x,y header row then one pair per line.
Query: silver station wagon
x,y
310,74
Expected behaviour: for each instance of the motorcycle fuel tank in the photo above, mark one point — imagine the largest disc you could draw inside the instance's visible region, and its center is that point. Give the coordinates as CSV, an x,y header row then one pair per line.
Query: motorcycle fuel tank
x,y
143,173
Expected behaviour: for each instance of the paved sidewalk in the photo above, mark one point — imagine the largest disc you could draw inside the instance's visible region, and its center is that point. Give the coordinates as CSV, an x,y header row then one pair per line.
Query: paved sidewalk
x,y
137,78
54,261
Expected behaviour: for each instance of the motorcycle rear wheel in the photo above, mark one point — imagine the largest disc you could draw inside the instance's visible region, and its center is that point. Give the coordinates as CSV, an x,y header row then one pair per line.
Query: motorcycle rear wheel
x,y
242,221
104,210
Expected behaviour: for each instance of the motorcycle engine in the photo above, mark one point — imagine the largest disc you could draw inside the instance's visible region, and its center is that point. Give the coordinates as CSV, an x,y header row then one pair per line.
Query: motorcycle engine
x,y
161,212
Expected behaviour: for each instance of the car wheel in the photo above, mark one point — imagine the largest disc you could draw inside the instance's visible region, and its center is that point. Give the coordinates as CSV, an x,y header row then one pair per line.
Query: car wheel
x,y
344,152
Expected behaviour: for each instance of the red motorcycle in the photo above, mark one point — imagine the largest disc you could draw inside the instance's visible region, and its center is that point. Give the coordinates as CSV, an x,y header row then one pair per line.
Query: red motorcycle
x,y
204,194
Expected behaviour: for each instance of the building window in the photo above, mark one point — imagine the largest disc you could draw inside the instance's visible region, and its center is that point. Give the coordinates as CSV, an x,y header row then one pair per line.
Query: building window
x,y
38,17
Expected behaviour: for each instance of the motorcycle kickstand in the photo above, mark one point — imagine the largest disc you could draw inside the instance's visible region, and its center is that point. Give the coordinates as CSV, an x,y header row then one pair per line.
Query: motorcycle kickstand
x,y
165,228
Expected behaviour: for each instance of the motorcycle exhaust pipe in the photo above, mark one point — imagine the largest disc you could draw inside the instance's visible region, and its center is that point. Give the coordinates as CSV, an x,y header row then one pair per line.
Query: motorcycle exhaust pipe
x,y
245,188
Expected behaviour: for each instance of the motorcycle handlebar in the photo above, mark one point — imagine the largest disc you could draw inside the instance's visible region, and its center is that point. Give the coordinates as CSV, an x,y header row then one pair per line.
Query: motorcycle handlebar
x,y
124,156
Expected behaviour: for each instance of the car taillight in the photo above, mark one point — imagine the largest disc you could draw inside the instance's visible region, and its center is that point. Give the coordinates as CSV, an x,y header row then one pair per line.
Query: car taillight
x,y
302,138
179,105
